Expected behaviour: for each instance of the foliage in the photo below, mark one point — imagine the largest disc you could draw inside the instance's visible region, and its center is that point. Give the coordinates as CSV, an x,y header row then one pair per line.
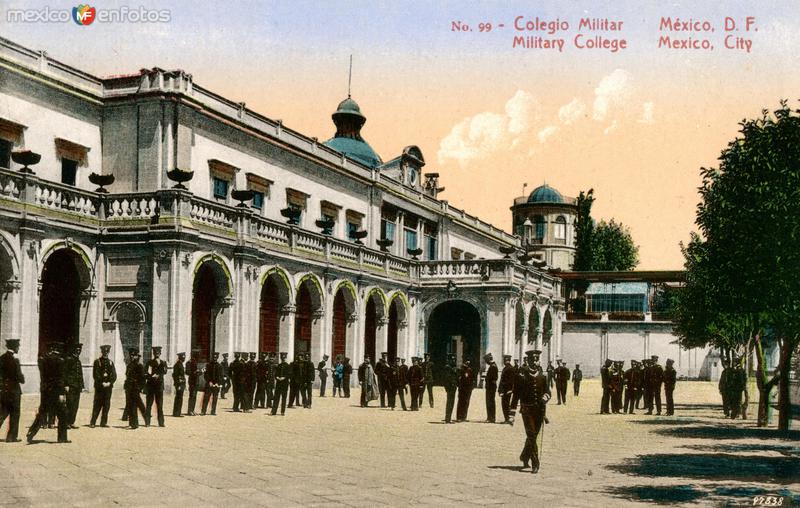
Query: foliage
x,y
613,248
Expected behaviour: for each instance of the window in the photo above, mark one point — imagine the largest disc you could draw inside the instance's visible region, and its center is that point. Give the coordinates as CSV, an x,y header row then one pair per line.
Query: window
x,y
455,254
5,153
354,222
258,200
411,239
560,232
468,256
260,187
431,248
220,188
352,227
539,227
69,168
387,229
297,200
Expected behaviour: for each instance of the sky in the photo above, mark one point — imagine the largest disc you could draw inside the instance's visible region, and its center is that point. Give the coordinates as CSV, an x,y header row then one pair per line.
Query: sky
x,y
636,125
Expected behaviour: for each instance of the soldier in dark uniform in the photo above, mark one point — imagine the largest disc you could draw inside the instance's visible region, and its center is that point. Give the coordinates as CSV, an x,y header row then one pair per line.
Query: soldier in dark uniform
x,y
647,386
382,369
416,382
269,386
178,384
308,380
427,370
450,379
605,380
10,391
617,386
134,383
551,374
640,371
236,368
656,378
466,381
192,372
155,371
250,381
397,385
73,380
670,378
105,375
630,388
562,380
54,401
48,418
724,388
577,377
283,373
226,376
404,371
262,368
490,387
295,380
213,378
532,392
347,372
506,387
322,368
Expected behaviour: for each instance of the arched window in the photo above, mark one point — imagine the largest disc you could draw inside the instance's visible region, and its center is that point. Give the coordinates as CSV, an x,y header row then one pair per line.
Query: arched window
x,y
560,231
539,227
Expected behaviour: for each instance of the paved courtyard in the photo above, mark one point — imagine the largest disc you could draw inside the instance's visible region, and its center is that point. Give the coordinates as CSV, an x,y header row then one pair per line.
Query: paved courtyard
x,y
340,454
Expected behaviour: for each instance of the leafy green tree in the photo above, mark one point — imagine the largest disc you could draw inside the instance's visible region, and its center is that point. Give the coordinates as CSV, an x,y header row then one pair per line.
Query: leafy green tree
x,y
584,227
613,248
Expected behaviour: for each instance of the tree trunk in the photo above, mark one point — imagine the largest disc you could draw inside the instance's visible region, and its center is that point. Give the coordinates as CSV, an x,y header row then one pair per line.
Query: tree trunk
x,y
763,387
784,403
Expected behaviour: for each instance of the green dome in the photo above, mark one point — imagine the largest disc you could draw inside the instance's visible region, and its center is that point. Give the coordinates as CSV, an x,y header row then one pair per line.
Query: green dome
x,y
349,107
355,149
545,194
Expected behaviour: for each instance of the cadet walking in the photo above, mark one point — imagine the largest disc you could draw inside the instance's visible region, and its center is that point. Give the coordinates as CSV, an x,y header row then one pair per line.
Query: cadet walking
x,y
506,387
532,391
134,383
178,384
282,375
155,371
577,377
54,400
490,387
73,381
450,379
10,390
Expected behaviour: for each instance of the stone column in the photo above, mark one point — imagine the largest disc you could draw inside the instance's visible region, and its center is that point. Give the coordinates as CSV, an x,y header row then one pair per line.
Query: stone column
x,y
286,341
381,335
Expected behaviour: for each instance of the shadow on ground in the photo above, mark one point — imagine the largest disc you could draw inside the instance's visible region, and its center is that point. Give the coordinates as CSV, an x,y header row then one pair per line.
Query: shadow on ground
x,y
722,495
743,447
713,466
726,432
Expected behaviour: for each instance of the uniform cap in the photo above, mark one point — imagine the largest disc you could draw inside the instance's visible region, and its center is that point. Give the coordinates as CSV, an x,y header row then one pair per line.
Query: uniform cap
x,y
181,354
654,357
384,354
156,349
12,343
105,347
670,361
488,356
284,354
506,357
533,352
133,351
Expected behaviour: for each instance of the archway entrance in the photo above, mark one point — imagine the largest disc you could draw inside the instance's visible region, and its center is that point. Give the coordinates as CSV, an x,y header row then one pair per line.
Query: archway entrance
x,y
6,275
370,326
308,310
547,335
274,296
454,327
130,322
209,292
60,300
397,337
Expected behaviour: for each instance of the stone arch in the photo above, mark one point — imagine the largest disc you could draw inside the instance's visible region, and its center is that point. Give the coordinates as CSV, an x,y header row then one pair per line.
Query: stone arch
x,y
397,332
343,320
10,283
375,293
533,325
79,253
227,287
212,291
275,296
309,308
374,315
548,347
455,326
130,317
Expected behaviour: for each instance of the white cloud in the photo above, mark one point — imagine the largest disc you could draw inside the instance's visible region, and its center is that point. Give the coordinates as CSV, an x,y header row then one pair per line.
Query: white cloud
x,y
569,113
647,113
612,90
546,133
521,109
611,128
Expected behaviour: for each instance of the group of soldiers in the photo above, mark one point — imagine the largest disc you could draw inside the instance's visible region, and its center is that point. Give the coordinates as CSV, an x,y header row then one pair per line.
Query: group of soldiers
x,y
560,376
626,390
389,381
732,384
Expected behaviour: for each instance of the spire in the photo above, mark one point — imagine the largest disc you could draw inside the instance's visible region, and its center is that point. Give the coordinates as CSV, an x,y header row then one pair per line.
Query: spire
x,y
350,76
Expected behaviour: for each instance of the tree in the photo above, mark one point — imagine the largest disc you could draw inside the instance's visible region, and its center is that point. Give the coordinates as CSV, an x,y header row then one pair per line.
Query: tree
x,y
613,248
751,228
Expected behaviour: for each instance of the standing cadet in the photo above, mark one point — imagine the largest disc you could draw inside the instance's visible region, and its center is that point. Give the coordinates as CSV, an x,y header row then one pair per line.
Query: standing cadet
x,y
466,381
724,388
226,376
282,374
105,375
382,369
322,368
562,380
396,385
368,381
250,376
347,372
295,379
156,370
213,378
10,391
670,378
577,377
262,371
54,401
647,392
270,384
308,381
605,379
532,391
656,378
490,387
192,372
551,372
451,380
629,380
506,387
134,383
427,370
416,382
236,384
404,371
73,382
617,386
179,384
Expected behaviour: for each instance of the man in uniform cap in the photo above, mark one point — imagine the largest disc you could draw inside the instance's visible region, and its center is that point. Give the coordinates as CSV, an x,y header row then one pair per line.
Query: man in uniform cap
x,y
466,381
562,380
450,379
282,374
73,382
179,384
235,375
656,379
347,373
10,391
54,401
155,371
630,388
490,387
532,391
322,368
427,370
577,377
272,362
213,378
308,380
193,373
723,386
506,387
416,382
397,385
295,380
640,393
105,375
262,370
134,383
226,376
670,378
382,369
605,380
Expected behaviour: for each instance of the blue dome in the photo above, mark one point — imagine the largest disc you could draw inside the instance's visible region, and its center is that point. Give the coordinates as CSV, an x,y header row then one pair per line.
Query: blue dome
x,y
545,194
357,149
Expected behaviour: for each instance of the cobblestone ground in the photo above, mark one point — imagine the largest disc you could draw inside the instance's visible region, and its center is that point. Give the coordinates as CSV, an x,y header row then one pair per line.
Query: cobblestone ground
x,y
340,454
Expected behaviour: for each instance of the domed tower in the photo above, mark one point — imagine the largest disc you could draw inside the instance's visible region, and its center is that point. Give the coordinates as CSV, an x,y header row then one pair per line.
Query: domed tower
x,y
545,221
347,140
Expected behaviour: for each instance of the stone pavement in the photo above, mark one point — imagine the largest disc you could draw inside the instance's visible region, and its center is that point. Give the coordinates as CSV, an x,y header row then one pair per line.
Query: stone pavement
x,y
340,454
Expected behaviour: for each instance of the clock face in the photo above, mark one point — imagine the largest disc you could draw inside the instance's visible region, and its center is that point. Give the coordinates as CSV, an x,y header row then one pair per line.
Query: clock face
x,y
412,176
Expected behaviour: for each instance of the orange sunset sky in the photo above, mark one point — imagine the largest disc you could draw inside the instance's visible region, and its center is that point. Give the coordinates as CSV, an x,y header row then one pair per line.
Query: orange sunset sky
x,y
635,125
